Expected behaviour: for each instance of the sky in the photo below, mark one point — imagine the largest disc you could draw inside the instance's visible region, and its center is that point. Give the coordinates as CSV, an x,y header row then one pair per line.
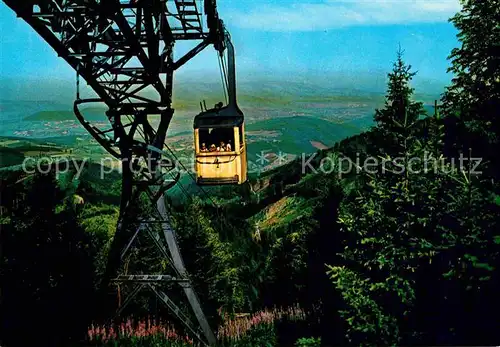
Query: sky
x,y
285,39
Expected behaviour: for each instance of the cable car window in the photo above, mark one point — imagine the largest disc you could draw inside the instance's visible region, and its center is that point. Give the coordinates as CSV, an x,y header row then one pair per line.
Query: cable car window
x,y
216,140
242,142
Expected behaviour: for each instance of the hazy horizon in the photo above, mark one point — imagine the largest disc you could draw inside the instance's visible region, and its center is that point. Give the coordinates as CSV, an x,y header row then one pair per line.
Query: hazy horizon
x,y
191,88
332,44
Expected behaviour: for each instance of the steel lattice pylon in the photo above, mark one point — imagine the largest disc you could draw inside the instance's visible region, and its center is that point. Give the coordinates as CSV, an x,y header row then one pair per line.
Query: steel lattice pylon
x,y
124,51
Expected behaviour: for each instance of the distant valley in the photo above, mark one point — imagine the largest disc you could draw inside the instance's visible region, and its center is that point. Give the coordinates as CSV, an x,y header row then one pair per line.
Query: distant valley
x,y
283,120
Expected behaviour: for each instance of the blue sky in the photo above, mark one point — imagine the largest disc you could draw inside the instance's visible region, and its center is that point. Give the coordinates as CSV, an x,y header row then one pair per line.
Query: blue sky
x,y
286,38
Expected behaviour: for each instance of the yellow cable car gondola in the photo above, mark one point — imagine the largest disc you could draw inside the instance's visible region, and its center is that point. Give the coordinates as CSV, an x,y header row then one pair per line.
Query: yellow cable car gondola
x,y
219,137
220,147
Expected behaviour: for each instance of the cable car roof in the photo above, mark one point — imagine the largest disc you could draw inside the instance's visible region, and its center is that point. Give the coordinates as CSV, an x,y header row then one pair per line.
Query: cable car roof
x,y
224,118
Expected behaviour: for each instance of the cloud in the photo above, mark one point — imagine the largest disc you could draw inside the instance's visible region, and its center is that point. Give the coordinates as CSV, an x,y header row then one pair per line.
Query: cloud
x,y
330,14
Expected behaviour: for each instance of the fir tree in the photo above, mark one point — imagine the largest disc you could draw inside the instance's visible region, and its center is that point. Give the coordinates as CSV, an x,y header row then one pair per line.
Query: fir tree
x,y
399,106
474,95
417,213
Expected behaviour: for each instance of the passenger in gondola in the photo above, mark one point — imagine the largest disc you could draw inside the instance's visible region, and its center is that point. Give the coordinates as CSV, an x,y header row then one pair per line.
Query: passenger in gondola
x,y
204,147
222,147
213,148
228,146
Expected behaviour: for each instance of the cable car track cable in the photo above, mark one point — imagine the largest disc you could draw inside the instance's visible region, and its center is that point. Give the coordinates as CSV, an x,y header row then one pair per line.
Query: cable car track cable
x,y
182,165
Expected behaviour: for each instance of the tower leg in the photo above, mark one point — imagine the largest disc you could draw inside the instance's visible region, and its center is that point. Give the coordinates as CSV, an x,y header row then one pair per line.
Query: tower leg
x,y
179,266
129,227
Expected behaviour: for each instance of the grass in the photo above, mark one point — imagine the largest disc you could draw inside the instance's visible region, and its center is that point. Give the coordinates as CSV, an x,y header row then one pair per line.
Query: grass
x,y
280,214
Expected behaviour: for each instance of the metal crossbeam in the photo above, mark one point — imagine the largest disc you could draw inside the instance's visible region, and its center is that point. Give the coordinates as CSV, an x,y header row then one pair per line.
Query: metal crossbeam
x,y
174,259
148,279
177,312
130,297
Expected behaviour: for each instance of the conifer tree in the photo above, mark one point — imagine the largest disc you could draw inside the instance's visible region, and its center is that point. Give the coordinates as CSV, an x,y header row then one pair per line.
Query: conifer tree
x,y
416,210
399,106
474,95
475,91
383,230
48,273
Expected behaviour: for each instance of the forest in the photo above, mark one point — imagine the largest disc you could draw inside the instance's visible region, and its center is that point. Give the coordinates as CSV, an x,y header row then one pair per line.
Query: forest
x,y
406,253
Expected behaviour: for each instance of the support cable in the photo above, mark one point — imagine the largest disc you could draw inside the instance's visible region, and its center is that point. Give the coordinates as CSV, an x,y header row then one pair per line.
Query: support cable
x,y
183,189
224,85
192,177
224,70
78,82
182,165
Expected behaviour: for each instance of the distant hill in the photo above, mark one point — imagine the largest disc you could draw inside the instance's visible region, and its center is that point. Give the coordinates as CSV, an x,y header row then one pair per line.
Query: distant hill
x,y
297,135
91,114
51,116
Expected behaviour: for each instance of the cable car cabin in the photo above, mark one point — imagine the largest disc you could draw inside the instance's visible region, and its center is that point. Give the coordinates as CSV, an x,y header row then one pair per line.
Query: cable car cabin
x,y
220,150
219,134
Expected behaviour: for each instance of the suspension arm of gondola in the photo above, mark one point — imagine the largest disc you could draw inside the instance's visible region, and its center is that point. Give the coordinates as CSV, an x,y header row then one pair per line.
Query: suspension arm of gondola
x,y
231,69
191,54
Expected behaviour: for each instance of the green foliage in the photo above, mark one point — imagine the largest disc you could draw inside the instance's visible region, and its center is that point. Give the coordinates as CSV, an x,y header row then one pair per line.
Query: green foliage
x,y
308,342
380,223
475,90
399,108
95,188
99,221
415,208
367,323
210,260
10,157
263,335
46,265
473,98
